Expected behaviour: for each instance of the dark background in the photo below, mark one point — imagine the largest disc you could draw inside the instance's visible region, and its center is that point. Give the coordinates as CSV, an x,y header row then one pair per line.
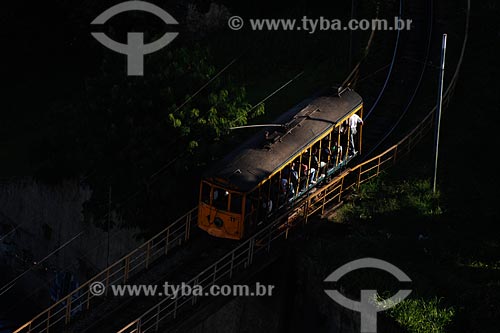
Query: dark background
x,y
49,59
49,56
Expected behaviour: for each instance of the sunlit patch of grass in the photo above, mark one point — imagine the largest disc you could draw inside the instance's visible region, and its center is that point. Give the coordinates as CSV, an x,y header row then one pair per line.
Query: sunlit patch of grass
x,y
379,197
482,265
419,195
422,316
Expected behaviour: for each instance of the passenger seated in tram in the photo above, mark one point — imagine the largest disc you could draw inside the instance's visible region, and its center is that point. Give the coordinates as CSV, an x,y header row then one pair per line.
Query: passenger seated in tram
x,y
337,153
221,200
320,164
294,176
313,169
286,190
305,174
267,204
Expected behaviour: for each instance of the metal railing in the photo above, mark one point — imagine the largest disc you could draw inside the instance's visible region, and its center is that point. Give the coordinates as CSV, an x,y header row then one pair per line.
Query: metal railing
x,y
81,299
238,260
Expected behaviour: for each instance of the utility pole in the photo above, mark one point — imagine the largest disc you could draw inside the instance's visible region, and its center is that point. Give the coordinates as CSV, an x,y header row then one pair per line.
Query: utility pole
x,y
439,109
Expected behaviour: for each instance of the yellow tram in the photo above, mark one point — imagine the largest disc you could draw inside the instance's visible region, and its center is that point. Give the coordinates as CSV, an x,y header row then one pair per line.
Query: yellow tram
x,y
276,167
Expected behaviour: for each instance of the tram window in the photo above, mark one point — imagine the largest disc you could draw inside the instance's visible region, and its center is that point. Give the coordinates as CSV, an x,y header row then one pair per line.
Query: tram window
x,y
236,203
205,193
251,202
265,199
220,199
326,150
344,140
275,188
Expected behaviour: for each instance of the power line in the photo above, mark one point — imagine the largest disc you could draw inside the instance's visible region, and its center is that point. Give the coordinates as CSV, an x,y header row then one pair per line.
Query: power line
x,y
207,84
276,91
391,67
419,83
9,285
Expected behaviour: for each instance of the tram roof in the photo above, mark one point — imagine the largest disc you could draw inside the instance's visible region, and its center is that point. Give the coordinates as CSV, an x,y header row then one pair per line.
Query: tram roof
x,y
259,157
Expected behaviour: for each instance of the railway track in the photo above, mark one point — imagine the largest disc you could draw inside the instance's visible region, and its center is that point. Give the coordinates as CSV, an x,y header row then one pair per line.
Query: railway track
x,y
200,251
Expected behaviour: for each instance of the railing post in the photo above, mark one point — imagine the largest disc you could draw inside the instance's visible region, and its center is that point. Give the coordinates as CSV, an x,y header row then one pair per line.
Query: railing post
x,y
359,179
306,209
188,226
268,241
88,297
166,241
194,297
68,310
126,269
378,164
148,253
175,308
232,265
107,281
252,247
324,200
157,324
341,189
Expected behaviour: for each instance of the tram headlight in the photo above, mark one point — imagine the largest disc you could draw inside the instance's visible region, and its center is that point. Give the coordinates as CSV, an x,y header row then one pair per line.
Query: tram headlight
x,y
218,222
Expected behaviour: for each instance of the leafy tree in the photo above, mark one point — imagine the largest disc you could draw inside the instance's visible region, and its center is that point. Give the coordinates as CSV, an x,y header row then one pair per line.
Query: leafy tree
x,y
124,129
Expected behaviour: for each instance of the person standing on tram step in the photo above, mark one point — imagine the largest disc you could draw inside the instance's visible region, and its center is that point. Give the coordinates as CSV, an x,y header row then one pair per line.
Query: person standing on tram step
x,y
354,121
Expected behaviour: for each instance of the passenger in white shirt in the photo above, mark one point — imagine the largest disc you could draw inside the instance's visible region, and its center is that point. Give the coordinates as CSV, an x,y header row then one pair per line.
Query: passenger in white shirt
x,y
354,121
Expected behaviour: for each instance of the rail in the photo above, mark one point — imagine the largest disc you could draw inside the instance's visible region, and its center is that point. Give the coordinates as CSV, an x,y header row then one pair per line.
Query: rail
x,y
137,261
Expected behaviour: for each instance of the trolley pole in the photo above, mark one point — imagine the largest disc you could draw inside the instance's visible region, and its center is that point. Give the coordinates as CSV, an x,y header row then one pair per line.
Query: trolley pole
x,y
438,110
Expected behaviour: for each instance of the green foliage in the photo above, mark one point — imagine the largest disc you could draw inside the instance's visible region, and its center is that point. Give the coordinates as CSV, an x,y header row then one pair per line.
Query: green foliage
x,y
380,197
192,145
422,316
419,195
123,129
223,109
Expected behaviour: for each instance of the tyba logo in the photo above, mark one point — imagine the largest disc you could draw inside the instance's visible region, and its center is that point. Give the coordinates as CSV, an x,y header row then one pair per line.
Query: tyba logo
x,y
369,303
135,49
